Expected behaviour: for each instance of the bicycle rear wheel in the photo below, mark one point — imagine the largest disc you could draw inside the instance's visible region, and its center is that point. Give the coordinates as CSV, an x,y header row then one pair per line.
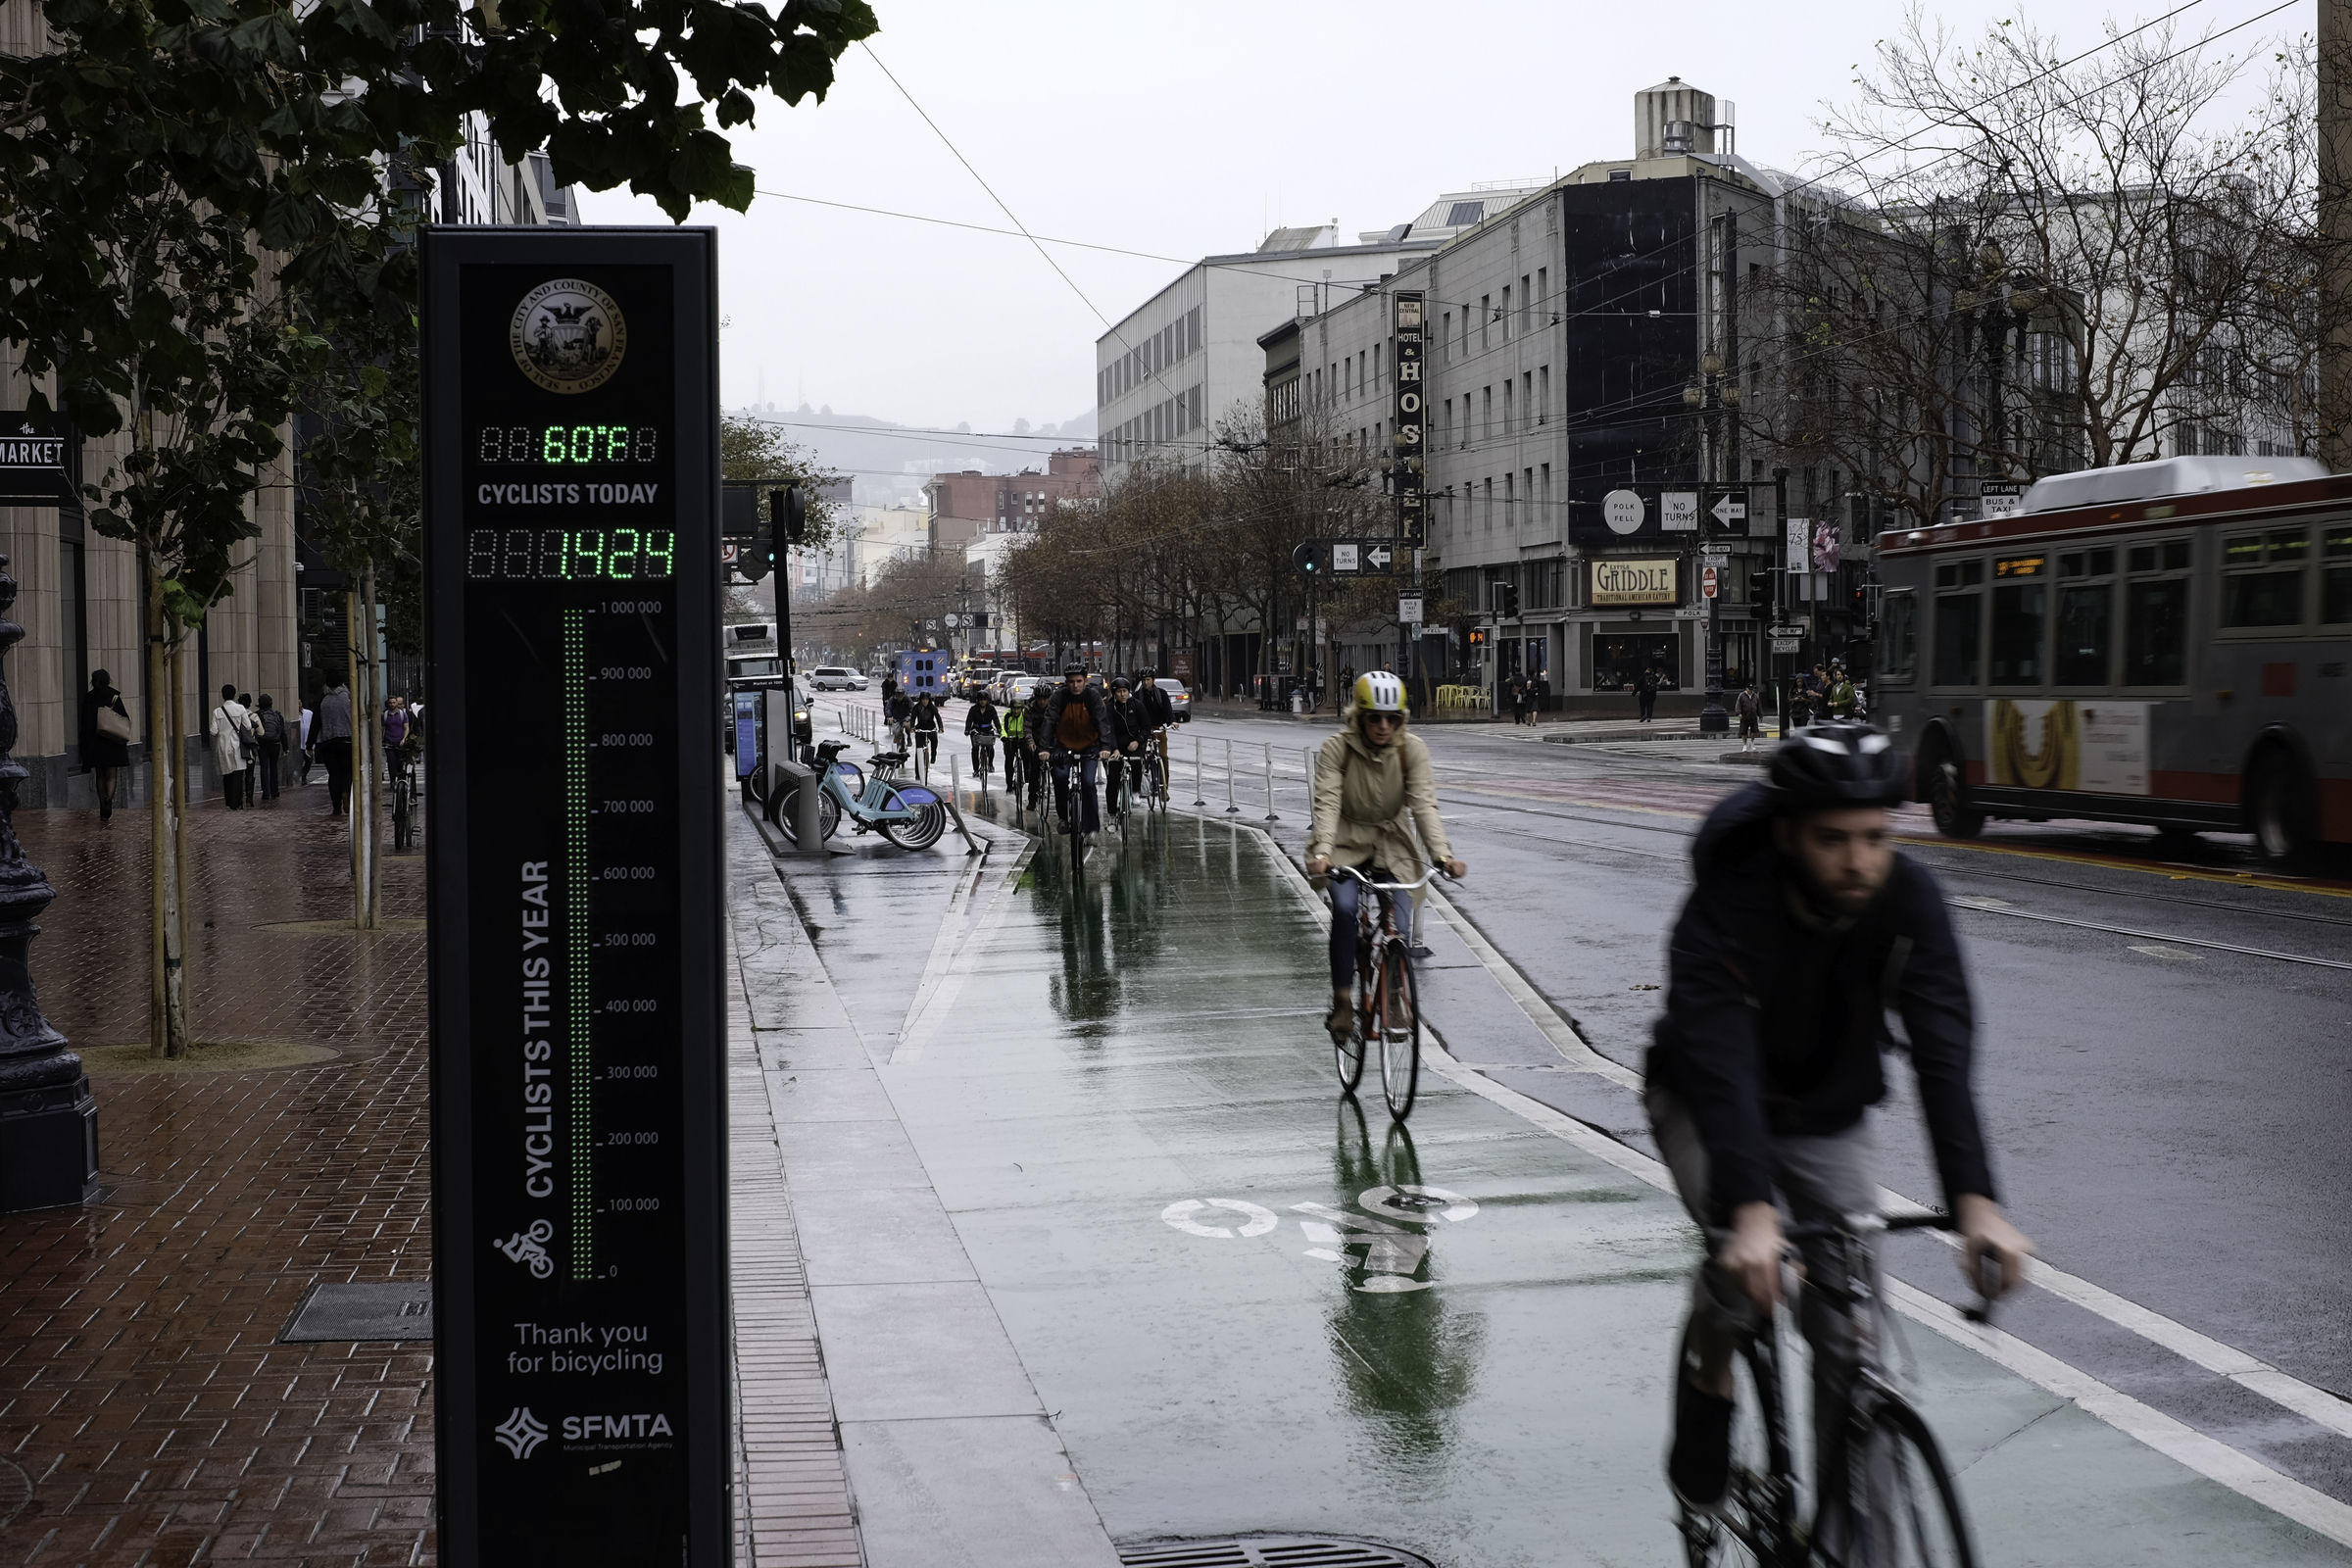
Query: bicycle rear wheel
x,y
1907,1512
784,811
919,832
1400,1032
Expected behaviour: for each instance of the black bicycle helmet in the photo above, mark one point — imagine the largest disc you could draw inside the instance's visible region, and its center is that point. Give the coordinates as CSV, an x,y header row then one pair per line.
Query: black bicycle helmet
x,y
1072,669
1120,683
1835,766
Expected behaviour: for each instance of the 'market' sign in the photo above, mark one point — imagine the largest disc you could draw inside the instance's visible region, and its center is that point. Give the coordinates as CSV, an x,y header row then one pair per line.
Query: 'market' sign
x,y
579,1237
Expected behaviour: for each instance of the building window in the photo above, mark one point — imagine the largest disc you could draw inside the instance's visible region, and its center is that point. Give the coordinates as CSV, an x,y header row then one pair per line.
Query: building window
x,y
1510,500
1542,290
1544,494
1526,303
1489,503
1504,314
1445,336
1527,396
1486,310
1485,420
1542,393
1506,408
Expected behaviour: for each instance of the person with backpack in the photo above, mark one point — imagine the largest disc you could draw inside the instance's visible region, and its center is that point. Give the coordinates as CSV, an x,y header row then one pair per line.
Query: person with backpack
x,y
272,745
982,726
925,724
1752,716
1647,693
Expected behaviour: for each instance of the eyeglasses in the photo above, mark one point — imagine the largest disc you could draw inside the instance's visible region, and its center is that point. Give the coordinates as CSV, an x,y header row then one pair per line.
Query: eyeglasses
x,y
1383,718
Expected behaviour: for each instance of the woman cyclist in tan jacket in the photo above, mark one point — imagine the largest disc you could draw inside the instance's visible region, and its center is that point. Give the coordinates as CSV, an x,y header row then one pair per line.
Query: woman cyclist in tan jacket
x,y
1369,778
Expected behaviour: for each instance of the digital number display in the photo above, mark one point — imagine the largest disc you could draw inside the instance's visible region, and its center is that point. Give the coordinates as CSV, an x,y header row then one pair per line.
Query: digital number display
x,y
573,444
579,1048
555,554
2020,566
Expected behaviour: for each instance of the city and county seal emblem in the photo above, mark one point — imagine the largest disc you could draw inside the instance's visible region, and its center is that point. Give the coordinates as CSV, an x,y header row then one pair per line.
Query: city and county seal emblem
x,y
569,335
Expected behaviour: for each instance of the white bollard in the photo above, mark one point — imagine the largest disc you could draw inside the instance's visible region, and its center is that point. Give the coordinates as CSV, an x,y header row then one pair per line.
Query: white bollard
x,y
1272,816
1197,789
1231,810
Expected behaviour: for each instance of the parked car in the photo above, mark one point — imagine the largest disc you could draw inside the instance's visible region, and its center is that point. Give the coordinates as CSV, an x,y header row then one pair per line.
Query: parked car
x,y
1017,689
835,678
1180,701
974,680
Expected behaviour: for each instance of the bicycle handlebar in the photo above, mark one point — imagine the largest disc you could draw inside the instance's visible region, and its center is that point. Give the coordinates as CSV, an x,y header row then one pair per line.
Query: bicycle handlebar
x,y
1988,1281
1383,887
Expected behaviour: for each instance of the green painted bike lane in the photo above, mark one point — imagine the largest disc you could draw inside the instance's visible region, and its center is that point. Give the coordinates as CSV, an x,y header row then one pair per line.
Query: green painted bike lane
x,y
1119,1090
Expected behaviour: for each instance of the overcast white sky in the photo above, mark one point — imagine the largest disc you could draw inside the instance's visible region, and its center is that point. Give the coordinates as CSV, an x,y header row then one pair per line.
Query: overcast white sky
x,y
1189,130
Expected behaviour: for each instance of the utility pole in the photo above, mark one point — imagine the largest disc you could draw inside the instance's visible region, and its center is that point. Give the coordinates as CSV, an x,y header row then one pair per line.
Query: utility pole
x,y
2336,235
1780,510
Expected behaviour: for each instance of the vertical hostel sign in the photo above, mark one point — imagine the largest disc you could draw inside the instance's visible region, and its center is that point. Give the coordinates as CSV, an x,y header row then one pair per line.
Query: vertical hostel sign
x,y
579,1235
1409,416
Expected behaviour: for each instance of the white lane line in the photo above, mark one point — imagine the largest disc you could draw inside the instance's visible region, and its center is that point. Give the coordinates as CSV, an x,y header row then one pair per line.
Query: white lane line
x,y
2208,1456
1983,907
953,954
1559,1031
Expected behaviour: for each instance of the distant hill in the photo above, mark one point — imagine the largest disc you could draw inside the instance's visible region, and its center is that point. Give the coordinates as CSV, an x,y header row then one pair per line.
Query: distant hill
x,y
889,463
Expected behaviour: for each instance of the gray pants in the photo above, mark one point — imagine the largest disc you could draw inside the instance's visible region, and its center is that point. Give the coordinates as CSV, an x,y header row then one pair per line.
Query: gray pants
x,y
1813,1179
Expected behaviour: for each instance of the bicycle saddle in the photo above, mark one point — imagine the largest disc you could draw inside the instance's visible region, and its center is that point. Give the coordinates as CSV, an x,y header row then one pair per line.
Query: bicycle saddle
x,y
829,749
887,758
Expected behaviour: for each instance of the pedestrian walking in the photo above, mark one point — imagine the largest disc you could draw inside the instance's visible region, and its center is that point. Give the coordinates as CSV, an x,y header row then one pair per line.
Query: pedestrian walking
x,y
301,754
1752,716
1646,692
1841,694
106,731
230,734
330,738
1518,693
273,725
1539,697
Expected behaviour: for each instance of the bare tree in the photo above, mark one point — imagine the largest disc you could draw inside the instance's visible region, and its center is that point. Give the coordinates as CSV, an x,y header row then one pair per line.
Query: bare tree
x,y
2043,265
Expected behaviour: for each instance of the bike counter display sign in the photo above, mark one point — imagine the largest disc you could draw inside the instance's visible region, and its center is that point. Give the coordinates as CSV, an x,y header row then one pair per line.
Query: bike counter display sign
x,y
579,1236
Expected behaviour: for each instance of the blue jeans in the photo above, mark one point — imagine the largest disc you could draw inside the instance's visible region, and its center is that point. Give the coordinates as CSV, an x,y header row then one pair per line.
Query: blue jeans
x,y
1346,893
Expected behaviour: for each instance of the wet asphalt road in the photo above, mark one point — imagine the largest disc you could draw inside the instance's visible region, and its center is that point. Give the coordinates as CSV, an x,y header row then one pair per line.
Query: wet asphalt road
x,y
2167,1093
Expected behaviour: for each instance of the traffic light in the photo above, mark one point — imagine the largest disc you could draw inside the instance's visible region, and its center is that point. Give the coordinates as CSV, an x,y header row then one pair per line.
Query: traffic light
x,y
1505,600
1308,557
754,554
788,514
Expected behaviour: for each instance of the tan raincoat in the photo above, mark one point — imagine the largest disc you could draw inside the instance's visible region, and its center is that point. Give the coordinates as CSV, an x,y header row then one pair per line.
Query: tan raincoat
x,y
1369,797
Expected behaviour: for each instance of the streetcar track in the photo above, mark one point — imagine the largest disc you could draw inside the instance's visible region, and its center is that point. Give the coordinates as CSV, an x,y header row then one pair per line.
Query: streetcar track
x,y
2152,897
2152,936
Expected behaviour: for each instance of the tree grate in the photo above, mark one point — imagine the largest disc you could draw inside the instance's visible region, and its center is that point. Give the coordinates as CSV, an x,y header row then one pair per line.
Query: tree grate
x,y
1267,1551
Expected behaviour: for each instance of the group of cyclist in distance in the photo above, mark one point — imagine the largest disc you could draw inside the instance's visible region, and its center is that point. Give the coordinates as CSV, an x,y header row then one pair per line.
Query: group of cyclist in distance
x,y
1063,738
1805,927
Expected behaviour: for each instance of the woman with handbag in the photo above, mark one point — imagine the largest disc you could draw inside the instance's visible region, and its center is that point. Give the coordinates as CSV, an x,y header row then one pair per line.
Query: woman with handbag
x,y
106,731
231,732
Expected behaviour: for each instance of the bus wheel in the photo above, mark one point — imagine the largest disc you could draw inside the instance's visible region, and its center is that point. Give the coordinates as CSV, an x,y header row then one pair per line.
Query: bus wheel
x,y
2279,810
1947,802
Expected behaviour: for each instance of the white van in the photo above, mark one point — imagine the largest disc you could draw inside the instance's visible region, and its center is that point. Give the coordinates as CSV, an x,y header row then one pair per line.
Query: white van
x,y
835,678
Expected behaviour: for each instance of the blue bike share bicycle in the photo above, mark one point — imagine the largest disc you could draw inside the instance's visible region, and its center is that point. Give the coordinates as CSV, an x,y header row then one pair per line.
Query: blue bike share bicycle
x,y
909,815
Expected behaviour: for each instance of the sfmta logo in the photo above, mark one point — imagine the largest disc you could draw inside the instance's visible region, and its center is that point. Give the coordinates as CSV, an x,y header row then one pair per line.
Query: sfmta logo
x,y
521,1432
579,1427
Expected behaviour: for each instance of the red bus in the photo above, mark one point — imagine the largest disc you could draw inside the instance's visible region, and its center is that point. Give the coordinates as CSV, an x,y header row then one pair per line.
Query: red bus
x,y
2164,643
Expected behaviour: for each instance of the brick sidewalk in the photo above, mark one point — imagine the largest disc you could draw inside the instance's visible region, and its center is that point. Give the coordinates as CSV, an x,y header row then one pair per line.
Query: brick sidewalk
x,y
143,1396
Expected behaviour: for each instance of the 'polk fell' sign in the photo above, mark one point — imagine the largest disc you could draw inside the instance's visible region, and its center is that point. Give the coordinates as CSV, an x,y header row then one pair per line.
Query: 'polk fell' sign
x,y
579,1127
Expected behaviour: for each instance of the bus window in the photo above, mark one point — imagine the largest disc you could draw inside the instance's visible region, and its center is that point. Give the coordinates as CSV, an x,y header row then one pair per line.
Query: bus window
x,y
2335,577
2262,578
2086,618
1898,641
1959,636
2156,615
2019,610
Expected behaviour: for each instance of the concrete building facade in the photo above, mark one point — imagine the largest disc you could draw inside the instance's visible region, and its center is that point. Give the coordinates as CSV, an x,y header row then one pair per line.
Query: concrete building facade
x,y
1184,359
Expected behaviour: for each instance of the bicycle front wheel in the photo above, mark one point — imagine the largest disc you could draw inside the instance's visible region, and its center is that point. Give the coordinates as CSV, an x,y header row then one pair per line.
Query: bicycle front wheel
x,y
1400,1032
1906,1511
1755,1526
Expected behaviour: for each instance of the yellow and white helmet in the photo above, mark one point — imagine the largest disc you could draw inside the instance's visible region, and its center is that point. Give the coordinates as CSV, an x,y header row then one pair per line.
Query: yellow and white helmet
x,y
1379,691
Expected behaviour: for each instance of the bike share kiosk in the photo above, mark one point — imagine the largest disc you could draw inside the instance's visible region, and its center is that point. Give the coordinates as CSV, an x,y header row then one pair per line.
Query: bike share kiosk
x,y
579,1121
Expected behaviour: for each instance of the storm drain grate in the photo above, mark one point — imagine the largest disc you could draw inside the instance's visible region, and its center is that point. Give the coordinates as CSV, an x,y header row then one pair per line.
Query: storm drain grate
x,y
1268,1551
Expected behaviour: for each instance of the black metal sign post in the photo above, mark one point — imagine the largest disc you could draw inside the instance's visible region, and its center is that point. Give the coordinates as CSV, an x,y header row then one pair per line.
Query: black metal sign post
x,y
579,1122
1410,413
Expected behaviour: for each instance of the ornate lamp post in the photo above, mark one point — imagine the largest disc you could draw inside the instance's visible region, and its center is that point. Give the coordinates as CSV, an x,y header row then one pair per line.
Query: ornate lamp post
x,y
48,1122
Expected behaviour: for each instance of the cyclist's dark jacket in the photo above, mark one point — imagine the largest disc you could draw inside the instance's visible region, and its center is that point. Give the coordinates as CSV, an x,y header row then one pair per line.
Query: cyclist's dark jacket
x,y
926,715
981,720
1153,704
1094,715
1124,723
1773,1027
1037,723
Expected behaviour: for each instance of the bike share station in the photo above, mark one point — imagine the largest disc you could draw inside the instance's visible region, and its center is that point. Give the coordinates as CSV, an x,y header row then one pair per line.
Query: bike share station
x,y
582,1365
